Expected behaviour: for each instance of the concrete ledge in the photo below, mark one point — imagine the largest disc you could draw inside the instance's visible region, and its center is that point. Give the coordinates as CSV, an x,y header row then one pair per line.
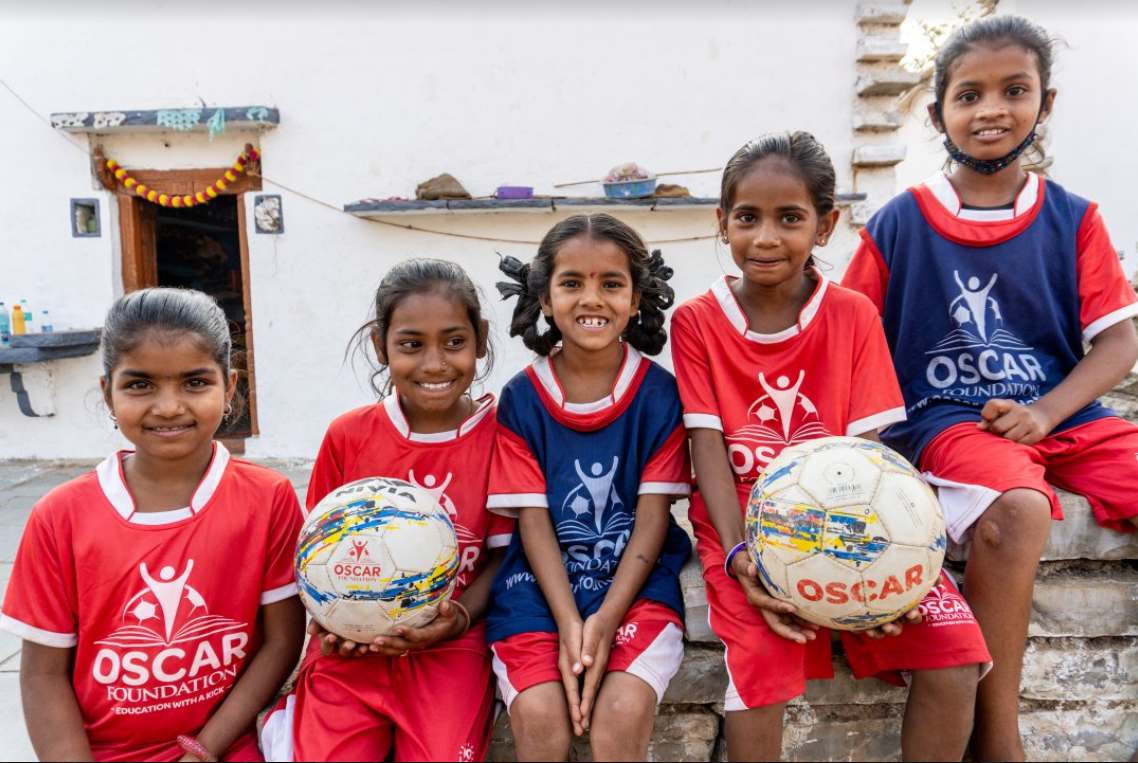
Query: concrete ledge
x,y
880,49
884,155
873,120
882,13
886,82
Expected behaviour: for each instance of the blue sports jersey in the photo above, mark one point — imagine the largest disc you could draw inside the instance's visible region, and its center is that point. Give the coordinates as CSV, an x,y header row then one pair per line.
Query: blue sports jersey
x,y
587,464
976,309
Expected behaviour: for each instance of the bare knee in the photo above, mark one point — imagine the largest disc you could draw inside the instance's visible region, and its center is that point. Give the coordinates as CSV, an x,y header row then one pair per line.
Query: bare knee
x,y
622,718
540,723
1015,525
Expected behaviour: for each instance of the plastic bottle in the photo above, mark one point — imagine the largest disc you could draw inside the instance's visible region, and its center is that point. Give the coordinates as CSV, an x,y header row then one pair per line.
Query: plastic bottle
x,y
18,326
29,316
45,323
5,327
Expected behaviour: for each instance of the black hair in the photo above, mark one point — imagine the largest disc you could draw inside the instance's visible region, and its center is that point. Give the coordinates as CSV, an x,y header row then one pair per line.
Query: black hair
x,y
994,30
170,311
802,151
419,276
645,330
165,310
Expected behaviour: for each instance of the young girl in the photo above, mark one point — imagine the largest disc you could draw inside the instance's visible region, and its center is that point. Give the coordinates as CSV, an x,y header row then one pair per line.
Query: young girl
x,y
155,594
421,693
776,357
989,280
586,624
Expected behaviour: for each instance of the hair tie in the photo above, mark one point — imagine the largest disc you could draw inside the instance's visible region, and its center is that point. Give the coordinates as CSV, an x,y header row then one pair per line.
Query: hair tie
x,y
518,271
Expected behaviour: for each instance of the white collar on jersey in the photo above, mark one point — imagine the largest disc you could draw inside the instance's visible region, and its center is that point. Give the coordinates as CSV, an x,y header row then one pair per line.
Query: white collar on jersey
x,y
734,312
113,484
944,192
543,369
482,406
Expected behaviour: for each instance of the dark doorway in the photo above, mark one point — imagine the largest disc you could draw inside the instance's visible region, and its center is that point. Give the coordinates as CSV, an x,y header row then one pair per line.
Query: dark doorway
x,y
200,248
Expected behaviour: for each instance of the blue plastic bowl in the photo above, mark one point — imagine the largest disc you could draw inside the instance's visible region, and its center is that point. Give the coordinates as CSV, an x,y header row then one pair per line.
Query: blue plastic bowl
x,y
630,189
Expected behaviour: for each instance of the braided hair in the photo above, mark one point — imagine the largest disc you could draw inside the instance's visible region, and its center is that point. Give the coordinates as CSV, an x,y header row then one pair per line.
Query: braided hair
x,y
530,282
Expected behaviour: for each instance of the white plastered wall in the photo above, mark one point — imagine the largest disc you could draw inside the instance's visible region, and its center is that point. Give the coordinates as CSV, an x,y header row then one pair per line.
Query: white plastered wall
x,y
370,105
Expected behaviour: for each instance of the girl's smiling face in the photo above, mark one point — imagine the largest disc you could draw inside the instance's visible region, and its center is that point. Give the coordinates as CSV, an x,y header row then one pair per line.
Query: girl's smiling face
x,y
993,100
169,395
772,226
591,296
431,351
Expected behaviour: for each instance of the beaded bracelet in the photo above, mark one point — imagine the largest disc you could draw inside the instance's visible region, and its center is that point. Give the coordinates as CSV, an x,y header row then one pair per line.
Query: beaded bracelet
x,y
465,614
194,747
731,557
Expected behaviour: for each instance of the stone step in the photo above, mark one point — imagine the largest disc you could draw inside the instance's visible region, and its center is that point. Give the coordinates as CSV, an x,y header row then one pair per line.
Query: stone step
x,y
1099,669
1087,603
681,734
880,49
875,120
1055,669
886,82
1077,536
878,155
881,13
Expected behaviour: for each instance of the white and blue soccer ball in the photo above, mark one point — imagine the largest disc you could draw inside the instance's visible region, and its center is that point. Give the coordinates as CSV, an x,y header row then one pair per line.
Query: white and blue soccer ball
x,y
847,531
375,554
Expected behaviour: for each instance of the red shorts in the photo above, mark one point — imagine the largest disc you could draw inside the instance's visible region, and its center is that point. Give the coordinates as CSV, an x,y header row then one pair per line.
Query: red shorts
x,y
649,644
243,750
972,468
764,668
431,705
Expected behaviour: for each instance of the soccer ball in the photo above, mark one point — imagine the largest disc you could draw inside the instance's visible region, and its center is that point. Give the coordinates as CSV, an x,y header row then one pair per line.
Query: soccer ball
x,y
375,554
847,531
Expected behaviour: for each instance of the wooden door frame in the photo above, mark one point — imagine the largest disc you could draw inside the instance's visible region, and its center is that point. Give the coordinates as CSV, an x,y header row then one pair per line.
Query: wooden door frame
x,y
139,252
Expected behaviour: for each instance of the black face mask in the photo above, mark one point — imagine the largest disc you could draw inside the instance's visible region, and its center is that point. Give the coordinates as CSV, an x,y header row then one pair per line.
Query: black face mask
x,y
987,166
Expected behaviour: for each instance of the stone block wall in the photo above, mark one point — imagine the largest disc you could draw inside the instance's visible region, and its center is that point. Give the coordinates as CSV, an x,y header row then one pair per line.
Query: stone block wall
x,y
1079,698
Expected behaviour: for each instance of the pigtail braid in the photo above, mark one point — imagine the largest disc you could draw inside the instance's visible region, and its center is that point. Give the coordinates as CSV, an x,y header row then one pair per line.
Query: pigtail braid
x,y
526,285
646,330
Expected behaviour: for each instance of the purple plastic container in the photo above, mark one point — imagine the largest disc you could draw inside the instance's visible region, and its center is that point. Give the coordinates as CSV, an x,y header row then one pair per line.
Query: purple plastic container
x,y
514,192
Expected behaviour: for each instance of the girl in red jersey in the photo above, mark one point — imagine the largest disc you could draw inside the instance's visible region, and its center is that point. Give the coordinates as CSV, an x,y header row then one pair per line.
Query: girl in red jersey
x,y
773,358
155,595
420,693
991,280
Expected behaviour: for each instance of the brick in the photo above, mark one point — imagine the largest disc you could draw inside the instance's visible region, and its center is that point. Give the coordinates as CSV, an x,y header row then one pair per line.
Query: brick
x,y
881,13
1086,603
875,120
879,155
886,82
1080,669
880,49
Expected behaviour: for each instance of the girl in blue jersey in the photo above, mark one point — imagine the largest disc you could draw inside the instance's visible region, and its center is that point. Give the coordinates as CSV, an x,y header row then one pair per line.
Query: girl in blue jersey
x,y
585,622
990,279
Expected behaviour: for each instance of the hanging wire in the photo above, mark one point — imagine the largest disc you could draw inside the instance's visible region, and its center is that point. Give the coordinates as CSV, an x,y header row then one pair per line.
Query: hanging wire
x,y
339,209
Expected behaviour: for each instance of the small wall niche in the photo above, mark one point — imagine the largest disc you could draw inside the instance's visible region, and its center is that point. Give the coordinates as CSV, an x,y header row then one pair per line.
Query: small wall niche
x,y
85,222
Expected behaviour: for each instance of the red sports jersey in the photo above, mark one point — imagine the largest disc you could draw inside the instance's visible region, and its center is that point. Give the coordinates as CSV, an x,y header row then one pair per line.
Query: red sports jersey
x,y
454,466
829,374
161,608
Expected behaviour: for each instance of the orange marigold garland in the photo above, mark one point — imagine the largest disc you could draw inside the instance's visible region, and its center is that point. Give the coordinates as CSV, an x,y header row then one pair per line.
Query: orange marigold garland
x,y
141,190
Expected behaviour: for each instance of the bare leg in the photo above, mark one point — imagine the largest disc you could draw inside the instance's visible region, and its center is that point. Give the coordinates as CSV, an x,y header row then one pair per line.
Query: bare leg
x,y
539,720
999,579
754,734
939,713
621,726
